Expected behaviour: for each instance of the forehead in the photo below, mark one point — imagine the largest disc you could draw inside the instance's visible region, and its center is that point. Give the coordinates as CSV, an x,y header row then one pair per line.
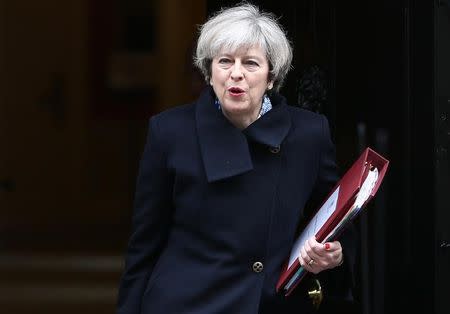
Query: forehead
x,y
244,51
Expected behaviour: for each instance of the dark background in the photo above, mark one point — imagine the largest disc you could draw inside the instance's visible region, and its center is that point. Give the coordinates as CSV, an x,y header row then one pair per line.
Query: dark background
x,y
387,71
79,79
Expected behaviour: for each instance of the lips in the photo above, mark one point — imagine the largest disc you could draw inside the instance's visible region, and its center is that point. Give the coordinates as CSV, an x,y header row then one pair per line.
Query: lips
x,y
236,91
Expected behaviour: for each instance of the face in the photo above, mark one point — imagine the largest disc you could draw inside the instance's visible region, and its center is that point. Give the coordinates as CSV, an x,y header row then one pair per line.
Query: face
x,y
240,79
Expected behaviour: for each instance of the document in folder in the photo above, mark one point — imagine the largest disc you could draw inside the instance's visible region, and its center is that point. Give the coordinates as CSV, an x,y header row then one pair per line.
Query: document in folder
x,y
345,201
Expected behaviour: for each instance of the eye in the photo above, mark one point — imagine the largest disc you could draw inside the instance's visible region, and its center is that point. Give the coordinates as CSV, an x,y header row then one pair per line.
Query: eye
x,y
252,63
224,61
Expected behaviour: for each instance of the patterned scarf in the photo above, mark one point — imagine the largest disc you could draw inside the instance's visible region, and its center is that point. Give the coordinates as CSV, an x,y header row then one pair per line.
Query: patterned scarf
x,y
265,107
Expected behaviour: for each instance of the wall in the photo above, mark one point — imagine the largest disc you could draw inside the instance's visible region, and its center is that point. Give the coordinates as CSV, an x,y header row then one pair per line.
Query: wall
x,y
70,148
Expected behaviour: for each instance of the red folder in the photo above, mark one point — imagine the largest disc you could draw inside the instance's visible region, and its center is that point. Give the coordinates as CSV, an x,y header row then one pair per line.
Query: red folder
x,y
349,186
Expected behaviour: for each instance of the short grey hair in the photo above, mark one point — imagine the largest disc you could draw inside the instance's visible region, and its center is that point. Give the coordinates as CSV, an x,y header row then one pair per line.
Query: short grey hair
x,y
244,26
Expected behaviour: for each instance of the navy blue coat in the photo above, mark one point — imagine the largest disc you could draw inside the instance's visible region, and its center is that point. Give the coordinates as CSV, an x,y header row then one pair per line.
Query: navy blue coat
x,y
212,200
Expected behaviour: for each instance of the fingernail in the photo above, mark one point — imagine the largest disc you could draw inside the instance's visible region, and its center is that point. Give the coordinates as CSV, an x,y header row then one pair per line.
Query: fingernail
x,y
327,246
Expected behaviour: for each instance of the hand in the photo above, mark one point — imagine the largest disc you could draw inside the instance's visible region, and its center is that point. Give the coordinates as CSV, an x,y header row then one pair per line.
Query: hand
x,y
323,256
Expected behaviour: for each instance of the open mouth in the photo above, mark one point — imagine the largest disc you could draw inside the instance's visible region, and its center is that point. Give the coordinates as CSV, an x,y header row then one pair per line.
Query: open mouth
x,y
236,91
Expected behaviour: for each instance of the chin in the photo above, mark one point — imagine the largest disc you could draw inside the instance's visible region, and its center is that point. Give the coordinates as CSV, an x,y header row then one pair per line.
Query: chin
x,y
236,104
236,108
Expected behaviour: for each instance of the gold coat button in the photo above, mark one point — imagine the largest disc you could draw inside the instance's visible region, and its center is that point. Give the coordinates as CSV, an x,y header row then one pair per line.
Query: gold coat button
x,y
258,267
275,149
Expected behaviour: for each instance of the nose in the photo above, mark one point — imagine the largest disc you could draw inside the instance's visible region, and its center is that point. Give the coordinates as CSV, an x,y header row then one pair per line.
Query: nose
x,y
236,72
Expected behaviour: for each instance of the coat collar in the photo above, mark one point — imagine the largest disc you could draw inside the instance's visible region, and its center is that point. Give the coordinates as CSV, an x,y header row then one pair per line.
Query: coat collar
x,y
224,148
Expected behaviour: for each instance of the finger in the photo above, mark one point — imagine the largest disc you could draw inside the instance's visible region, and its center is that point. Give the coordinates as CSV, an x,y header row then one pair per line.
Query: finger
x,y
309,266
301,260
305,255
332,246
338,258
314,267
334,258
336,252
324,261
304,263
311,252
308,260
316,247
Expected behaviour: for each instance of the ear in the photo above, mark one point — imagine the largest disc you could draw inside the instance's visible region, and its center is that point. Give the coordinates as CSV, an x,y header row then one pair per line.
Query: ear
x,y
270,85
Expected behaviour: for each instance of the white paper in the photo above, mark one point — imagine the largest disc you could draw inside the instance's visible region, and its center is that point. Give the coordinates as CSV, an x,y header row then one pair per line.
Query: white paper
x,y
314,225
363,195
366,188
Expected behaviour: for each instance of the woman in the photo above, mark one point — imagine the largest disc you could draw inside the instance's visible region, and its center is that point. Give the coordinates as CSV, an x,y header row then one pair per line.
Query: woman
x,y
224,181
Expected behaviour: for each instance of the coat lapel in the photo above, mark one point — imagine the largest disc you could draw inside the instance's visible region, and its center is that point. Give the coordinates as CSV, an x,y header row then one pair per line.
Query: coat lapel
x,y
273,127
224,148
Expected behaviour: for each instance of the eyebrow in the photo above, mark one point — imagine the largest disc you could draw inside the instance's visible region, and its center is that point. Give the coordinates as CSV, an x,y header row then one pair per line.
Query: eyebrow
x,y
228,55
252,57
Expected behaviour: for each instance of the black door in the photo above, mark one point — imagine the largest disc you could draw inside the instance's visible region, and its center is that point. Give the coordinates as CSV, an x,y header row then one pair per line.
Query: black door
x,y
380,71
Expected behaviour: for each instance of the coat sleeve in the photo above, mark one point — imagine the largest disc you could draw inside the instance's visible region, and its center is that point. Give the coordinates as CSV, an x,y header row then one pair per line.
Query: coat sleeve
x,y
337,283
150,222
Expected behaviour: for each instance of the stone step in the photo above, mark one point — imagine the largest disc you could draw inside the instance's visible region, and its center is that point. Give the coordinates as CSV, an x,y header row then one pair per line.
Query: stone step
x,y
47,284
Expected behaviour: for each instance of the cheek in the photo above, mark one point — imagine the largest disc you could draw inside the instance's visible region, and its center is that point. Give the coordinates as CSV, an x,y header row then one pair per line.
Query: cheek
x,y
260,80
217,76
260,86
215,80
